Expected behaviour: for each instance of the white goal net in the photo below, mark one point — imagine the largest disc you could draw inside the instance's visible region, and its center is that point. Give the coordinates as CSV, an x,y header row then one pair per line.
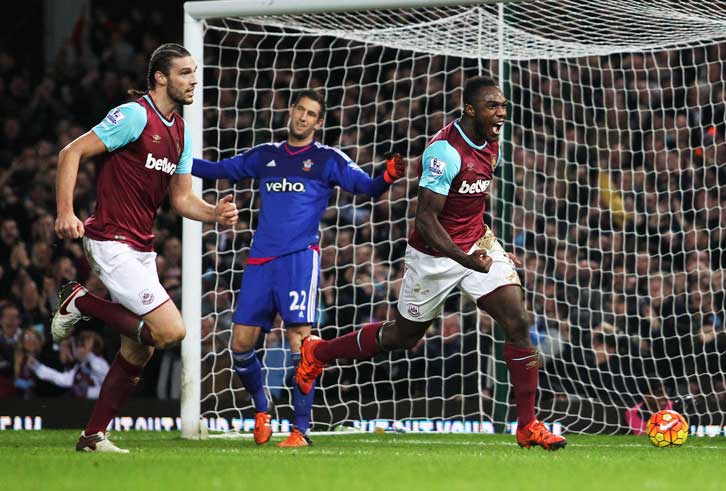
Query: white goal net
x,y
611,193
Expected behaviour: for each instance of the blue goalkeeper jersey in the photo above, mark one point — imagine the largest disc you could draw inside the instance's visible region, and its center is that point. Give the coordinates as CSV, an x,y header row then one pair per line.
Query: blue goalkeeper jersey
x,y
295,184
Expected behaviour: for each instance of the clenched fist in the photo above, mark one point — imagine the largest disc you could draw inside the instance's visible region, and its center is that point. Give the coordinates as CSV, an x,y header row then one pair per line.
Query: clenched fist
x,y
225,213
68,226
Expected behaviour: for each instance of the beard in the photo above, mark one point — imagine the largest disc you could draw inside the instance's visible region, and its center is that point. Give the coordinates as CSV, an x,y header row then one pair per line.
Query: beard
x,y
177,96
486,129
301,135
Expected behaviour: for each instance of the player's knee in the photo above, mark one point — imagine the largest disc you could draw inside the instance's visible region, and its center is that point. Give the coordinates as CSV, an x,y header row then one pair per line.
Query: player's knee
x,y
517,328
402,341
401,334
409,343
241,345
170,337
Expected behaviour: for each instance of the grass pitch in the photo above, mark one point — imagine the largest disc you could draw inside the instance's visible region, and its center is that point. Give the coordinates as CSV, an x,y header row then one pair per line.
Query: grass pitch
x,y
46,460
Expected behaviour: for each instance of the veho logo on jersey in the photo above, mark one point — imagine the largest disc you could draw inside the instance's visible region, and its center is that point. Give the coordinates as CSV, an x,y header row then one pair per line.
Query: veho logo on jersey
x,y
285,186
477,187
160,164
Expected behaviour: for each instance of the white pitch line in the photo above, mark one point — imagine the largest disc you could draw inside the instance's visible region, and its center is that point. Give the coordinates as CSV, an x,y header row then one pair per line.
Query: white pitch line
x,y
403,438
234,436
512,444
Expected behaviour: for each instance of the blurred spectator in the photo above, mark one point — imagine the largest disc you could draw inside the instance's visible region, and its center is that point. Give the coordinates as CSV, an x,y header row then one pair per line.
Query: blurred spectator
x,y
89,368
9,338
27,351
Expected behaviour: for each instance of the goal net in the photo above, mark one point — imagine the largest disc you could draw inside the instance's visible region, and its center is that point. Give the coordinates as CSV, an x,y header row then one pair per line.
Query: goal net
x,y
610,193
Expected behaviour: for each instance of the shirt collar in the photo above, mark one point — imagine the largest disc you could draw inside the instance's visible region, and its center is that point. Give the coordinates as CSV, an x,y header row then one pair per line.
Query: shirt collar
x,y
466,138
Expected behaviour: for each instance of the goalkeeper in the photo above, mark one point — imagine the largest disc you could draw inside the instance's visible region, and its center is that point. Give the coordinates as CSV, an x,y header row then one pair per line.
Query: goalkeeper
x,y
296,178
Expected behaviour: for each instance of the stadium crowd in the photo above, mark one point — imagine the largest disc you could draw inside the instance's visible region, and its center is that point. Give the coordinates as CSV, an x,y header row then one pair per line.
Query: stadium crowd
x,y
618,214
43,108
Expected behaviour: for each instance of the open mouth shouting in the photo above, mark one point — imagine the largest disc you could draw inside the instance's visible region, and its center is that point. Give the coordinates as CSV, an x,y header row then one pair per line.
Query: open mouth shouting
x,y
497,128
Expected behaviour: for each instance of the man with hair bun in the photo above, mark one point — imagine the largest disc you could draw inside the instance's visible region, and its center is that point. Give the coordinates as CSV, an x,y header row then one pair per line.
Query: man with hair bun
x,y
145,153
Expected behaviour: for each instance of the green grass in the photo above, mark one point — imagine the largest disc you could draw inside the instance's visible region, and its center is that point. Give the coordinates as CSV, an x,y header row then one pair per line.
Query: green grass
x,y
45,460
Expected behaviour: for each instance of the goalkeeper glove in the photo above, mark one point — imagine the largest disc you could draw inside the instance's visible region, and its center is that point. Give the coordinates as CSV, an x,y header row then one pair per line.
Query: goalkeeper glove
x,y
395,167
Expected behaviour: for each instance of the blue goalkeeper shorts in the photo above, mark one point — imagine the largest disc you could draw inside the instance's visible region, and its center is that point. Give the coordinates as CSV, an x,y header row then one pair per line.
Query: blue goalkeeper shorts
x,y
287,285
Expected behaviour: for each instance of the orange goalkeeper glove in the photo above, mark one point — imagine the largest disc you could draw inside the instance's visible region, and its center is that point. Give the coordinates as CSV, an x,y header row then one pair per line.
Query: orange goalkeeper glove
x,y
395,167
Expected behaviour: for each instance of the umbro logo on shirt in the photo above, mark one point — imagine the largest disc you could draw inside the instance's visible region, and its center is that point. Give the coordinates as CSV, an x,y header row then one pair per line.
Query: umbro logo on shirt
x,y
271,163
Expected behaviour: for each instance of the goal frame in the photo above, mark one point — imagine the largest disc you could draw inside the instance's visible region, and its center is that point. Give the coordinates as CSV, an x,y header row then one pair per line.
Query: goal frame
x,y
194,15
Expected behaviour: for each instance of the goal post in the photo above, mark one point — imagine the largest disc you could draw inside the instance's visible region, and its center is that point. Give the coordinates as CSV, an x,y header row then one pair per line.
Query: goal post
x,y
191,256
610,192
194,15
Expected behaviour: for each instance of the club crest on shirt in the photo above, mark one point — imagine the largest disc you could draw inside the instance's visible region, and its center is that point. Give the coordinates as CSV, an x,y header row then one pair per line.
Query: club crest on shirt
x,y
146,297
437,167
156,138
494,161
178,148
307,165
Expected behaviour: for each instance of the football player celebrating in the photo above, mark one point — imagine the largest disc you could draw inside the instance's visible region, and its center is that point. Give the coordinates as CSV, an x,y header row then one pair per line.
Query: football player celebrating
x,y
449,247
146,153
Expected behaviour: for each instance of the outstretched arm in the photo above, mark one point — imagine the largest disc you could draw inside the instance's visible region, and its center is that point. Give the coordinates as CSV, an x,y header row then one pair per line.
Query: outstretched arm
x,y
232,168
61,379
352,178
189,205
67,224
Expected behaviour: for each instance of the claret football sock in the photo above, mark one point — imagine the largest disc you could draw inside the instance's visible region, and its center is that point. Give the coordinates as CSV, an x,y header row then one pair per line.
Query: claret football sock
x,y
116,316
523,364
359,345
121,379
249,370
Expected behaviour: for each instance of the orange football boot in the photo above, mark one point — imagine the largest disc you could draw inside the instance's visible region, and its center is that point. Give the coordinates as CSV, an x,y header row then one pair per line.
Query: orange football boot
x,y
263,430
309,367
296,439
536,433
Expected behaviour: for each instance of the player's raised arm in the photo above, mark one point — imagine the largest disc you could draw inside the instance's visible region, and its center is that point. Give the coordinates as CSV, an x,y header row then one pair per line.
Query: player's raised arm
x,y
349,176
233,168
67,224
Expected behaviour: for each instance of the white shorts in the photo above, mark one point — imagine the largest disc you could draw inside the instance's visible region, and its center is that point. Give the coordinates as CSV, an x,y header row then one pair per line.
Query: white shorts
x,y
129,275
428,280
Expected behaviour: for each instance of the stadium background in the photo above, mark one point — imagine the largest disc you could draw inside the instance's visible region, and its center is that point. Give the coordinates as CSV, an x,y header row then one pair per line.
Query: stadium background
x,y
59,77
52,92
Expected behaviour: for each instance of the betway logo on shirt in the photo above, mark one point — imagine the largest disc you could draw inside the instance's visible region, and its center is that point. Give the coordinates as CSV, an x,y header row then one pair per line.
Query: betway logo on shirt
x,y
284,186
477,187
160,164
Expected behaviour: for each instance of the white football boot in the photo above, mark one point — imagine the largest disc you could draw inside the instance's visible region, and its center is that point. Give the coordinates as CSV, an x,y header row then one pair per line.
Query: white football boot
x,y
98,442
67,314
